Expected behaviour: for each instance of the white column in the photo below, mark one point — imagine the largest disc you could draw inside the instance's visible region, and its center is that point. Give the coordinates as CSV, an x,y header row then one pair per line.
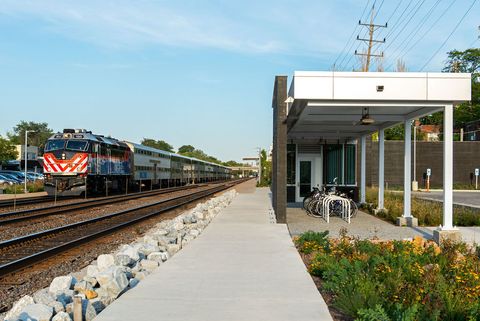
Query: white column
x,y
363,191
381,168
407,169
448,168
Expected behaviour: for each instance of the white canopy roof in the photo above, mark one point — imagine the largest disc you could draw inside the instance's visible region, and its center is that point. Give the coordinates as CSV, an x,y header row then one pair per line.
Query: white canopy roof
x,y
329,105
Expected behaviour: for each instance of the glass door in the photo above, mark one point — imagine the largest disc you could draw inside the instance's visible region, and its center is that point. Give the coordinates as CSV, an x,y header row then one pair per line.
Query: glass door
x,y
304,178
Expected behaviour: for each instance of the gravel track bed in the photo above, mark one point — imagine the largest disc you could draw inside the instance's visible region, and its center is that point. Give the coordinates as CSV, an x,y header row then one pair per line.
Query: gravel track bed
x,y
40,224
39,205
77,258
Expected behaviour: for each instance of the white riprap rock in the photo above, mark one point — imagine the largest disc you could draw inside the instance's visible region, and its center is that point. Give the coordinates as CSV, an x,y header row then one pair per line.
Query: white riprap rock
x,y
92,270
43,296
65,297
88,311
36,312
130,251
57,306
172,249
113,280
18,307
60,284
158,256
105,261
62,316
149,265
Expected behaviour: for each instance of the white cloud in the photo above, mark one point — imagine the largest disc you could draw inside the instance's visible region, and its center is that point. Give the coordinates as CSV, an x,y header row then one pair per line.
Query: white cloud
x,y
126,24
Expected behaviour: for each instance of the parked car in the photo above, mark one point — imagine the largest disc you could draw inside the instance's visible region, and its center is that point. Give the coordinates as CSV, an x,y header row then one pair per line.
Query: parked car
x,y
4,182
36,176
17,174
10,178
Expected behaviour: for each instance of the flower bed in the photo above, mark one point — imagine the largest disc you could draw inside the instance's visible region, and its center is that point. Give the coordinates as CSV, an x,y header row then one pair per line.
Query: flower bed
x,y
395,280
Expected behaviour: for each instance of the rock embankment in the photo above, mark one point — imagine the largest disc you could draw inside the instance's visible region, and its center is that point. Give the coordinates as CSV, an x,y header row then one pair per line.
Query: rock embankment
x,y
111,275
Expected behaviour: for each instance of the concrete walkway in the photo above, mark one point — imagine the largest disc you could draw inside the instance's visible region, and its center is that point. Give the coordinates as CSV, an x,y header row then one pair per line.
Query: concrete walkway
x,y
241,268
21,195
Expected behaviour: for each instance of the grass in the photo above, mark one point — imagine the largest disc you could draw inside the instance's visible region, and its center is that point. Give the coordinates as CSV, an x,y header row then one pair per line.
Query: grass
x,y
395,280
428,213
19,188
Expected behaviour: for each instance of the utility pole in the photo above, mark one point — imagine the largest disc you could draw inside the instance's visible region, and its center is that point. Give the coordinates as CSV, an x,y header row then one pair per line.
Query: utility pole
x,y
370,41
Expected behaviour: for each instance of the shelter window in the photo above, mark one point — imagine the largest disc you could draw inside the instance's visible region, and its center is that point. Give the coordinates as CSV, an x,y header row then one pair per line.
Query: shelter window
x,y
291,158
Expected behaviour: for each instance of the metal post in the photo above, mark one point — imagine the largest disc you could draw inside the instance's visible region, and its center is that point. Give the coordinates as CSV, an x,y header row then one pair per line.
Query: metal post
x,y
381,168
362,169
77,308
86,187
407,169
15,197
448,168
415,183
25,163
55,202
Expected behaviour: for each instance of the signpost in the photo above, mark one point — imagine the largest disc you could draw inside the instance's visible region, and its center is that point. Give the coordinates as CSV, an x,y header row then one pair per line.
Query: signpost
x,y
477,172
429,173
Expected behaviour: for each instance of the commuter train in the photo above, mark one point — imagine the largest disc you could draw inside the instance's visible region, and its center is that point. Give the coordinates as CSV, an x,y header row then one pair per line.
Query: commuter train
x,y
76,162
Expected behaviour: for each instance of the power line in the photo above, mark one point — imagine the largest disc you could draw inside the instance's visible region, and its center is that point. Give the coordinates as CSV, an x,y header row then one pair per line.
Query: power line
x,y
407,40
426,32
450,35
414,10
398,19
351,36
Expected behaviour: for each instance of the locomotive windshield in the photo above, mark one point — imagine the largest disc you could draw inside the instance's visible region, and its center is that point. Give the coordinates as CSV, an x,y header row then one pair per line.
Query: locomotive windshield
x,y
80,145
54,144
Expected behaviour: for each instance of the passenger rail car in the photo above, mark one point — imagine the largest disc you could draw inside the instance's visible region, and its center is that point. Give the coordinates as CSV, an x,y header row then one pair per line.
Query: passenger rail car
x,y
78,162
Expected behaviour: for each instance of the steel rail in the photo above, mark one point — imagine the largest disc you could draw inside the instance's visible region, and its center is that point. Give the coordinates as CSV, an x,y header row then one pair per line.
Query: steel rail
x,y
17,216
88,235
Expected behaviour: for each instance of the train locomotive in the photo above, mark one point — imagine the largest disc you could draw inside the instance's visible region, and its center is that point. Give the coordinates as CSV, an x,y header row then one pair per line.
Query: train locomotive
x,y
78,162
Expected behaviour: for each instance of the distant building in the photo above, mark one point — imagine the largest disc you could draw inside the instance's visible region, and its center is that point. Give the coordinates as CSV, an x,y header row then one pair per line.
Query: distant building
x,y
471,131
32,152
432,132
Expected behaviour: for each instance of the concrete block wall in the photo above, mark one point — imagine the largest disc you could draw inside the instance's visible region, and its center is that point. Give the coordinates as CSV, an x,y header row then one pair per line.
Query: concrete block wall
x,y
466,157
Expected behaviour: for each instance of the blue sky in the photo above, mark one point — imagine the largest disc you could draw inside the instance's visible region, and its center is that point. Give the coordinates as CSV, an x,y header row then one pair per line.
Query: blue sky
x,y
195,72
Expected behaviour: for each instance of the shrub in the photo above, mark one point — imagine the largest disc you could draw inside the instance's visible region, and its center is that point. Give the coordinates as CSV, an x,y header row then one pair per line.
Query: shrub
x,y
396,280
428,213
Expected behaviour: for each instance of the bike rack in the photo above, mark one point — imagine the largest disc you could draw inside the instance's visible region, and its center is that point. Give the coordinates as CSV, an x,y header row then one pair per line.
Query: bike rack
x,y
328,200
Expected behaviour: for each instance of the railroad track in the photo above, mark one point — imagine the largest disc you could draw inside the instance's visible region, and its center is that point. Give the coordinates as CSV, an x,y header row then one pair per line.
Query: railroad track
x,y
34,213
25,251
31,200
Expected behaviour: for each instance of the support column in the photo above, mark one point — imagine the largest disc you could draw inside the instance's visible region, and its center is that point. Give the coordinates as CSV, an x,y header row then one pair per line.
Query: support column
x,y
407,176
447,230
448,168
381,169
279,159
362,169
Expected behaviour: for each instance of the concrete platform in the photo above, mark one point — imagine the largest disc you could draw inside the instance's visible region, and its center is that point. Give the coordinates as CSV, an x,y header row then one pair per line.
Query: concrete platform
x,y
21,195
241,268
366,226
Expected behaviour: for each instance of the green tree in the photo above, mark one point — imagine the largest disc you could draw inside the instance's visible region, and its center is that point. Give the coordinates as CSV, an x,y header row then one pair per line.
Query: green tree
x,y
37,138
159,144
462,61
7,150
232,163
186,149
266,169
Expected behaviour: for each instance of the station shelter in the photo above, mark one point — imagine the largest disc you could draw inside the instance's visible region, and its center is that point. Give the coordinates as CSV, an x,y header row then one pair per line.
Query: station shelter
x,y
321,122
